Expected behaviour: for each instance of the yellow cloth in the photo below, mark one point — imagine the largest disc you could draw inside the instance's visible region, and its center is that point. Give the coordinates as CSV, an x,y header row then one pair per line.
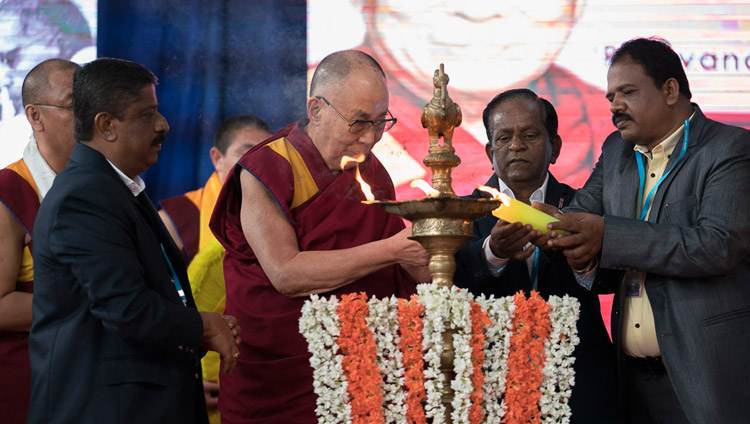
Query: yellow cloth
x,y
26,271
638,328
206,276
208,201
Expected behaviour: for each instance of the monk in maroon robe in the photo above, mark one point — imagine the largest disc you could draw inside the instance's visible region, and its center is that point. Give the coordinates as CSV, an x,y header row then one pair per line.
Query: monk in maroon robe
x,y
47,100
293,224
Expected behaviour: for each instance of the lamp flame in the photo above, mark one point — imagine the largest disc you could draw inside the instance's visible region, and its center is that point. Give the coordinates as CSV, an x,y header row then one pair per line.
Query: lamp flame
x,y
426,188
495,194
366,190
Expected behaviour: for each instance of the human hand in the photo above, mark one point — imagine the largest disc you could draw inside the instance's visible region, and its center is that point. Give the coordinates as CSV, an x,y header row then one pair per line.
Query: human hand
x,y
219,337
211,394
542,241
408,252
582,240
234,327
508,240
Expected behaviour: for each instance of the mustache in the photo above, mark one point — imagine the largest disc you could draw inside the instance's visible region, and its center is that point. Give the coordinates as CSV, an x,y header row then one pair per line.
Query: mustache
x,y
158,139
619,116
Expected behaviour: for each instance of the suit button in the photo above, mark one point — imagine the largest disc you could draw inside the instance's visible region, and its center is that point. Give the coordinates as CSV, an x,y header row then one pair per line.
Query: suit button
x,y
181,347
196,376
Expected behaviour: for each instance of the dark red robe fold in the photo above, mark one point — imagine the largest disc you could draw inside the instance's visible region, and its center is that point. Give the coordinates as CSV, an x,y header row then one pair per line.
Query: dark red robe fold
x,y
273,379
185,216
18,194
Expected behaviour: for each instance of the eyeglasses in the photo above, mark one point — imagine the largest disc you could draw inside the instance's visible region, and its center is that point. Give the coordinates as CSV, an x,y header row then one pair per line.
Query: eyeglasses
x,y
68,107
358,126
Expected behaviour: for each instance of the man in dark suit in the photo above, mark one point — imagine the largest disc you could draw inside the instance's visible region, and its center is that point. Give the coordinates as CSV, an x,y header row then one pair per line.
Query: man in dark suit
x,y
523,142
115,335
669,227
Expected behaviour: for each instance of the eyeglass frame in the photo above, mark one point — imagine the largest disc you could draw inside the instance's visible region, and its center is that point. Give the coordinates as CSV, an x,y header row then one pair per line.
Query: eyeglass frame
x,y
373,123
68,107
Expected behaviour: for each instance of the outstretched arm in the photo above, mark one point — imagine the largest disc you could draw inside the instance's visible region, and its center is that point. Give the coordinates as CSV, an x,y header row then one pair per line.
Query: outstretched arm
x,y
295,273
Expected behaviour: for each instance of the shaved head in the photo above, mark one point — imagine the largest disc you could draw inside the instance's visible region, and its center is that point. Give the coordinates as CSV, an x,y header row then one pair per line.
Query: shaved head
x,y
337,66
37,83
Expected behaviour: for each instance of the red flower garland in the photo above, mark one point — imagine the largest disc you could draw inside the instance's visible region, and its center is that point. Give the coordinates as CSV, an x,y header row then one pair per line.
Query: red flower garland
x,y
531,327
410,329
479,320
360,360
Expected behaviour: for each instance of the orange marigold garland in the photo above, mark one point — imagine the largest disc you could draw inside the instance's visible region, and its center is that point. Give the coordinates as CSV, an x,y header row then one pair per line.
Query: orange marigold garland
x,y
479,321
360,366
410,329
531,327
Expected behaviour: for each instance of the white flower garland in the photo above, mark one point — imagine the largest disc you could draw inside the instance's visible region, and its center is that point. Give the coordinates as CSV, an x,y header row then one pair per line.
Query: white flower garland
x,y
460,317
496,351
436,306
559,376
383,322
320,325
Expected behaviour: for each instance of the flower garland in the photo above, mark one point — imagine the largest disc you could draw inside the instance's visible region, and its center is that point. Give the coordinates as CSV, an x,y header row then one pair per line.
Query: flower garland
x,y
410,327
460,322
360,367
531,324
320,325
383,321
479,320
559,376
497,349
368,357
436,302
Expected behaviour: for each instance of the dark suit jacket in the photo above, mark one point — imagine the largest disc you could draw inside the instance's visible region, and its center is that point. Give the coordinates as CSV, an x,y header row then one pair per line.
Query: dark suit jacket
x,y
694,249
111,341
594,398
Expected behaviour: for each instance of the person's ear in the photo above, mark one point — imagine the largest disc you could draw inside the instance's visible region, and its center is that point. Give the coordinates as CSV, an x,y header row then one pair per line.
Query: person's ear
x,y
671,91
34,116
314,108
216,157
556,142
490,154
105,125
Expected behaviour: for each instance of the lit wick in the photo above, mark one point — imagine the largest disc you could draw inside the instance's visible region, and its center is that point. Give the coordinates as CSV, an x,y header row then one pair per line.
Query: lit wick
x,y
366,190
426,188
512,210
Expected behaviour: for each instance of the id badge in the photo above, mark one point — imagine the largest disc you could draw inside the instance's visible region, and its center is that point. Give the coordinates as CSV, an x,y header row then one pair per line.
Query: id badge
x,y
634,283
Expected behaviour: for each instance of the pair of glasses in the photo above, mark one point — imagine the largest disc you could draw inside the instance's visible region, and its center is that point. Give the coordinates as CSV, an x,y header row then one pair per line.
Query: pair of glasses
x,y
358,126
68,107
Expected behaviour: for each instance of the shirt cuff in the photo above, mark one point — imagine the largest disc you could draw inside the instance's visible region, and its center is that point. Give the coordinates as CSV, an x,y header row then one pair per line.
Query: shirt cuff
x,y
494,264
586,280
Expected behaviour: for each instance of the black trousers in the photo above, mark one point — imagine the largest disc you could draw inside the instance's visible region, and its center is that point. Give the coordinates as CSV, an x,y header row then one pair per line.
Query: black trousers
x,y
649,395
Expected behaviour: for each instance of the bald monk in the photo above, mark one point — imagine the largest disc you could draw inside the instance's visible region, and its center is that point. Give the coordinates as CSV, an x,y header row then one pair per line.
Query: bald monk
x,y
293,224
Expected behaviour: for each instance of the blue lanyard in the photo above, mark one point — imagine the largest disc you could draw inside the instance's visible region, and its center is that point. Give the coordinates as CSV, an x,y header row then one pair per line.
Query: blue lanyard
x,y
175,280
534,267
642,174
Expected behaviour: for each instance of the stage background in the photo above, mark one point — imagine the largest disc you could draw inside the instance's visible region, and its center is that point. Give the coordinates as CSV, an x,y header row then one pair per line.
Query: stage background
x,y
215,59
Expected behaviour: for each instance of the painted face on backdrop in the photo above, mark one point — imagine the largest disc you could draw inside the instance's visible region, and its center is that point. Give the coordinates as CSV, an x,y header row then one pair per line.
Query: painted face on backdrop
x,y
141,133
489,37
30,32
364,96
520,148
638,106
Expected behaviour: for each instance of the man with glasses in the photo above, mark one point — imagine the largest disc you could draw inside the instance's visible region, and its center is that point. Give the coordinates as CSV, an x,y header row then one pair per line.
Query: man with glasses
x,y
293,224
47,101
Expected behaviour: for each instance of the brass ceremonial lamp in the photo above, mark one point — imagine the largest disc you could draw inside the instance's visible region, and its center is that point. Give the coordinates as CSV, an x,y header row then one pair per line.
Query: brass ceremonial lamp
x,y
442,222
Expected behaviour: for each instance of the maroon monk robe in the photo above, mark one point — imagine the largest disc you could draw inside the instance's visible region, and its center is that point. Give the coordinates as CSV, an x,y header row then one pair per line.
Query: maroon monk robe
x,y
19,195
272,382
